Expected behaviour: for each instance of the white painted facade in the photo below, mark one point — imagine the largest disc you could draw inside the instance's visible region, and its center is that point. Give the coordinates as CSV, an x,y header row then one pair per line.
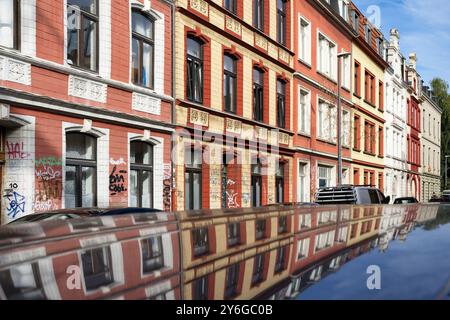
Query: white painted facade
x,y
395,174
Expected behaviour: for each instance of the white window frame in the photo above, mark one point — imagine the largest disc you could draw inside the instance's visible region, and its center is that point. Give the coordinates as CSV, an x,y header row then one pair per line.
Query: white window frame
x,y
327,127
306,56
302,249
306,179
307,111
327,66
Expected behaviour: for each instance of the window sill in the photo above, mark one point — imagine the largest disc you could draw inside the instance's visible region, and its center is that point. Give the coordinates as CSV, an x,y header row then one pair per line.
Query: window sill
x,y
357,96
356,150
305,63
326,141
370,103
346,89
370,154
327,77
304,134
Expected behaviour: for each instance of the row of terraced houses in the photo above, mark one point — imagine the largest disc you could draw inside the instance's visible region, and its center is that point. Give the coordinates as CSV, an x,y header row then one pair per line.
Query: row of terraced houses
x,y
197,104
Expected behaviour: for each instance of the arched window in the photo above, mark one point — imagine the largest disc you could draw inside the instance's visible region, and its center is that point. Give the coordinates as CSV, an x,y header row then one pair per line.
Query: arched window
x,y
9,23
194,64
142,71
80,170
141,174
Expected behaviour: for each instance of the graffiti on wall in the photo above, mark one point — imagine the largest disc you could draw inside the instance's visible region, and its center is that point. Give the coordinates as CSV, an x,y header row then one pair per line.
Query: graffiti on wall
x,y
48,171
232,195
15,201
16,151
117,181
167,187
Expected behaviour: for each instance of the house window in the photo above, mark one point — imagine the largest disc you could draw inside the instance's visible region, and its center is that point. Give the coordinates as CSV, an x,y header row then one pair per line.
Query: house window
x,y
381,95
194,65
346,128
342,234
234,234
281,104
302,248
141,174
260,229
324,240
22,282
324,176
258,94
357,133
81,171
380,142
304,40
369,138
200,241
200,288
302,191
304,111
258,269
9,23
280,263
282,225
279,182
97,268
355,20
281,21
152,254
326,122
231,5
357,79
346,72
327,57
257,184
143,50
229,83
369,88
82,34
231,281
305,221
368,34
193,179
258,14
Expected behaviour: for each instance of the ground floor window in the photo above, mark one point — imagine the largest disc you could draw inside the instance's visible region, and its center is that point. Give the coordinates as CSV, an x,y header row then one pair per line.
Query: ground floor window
x,y
80,170
324,176
141,174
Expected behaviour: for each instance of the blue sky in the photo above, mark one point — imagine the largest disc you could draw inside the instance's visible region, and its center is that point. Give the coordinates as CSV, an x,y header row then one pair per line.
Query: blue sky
x,y
424,27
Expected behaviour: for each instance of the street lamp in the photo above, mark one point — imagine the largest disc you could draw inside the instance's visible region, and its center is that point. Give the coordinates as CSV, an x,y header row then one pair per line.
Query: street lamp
x,y
339,112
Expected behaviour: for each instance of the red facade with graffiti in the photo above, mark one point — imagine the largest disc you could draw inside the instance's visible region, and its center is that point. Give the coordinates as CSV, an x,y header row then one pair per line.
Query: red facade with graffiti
x,y
87,124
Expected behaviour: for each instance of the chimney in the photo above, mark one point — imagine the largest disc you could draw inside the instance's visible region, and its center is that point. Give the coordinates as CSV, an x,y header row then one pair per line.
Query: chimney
x,y
413,61
395,38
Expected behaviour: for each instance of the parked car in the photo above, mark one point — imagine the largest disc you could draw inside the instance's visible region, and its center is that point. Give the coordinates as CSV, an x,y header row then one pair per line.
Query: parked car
x,y
405,200
65,214
350,194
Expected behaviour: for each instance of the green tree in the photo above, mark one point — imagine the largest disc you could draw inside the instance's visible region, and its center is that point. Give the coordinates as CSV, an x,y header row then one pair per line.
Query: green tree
x,y
440,90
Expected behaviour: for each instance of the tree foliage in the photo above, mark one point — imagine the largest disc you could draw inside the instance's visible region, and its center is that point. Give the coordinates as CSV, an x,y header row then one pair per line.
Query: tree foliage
x,y
440,90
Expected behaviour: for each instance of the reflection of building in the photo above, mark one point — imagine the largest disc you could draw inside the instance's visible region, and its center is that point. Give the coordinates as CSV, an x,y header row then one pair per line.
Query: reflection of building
x,y
391,221
126,258
275,252
236,255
